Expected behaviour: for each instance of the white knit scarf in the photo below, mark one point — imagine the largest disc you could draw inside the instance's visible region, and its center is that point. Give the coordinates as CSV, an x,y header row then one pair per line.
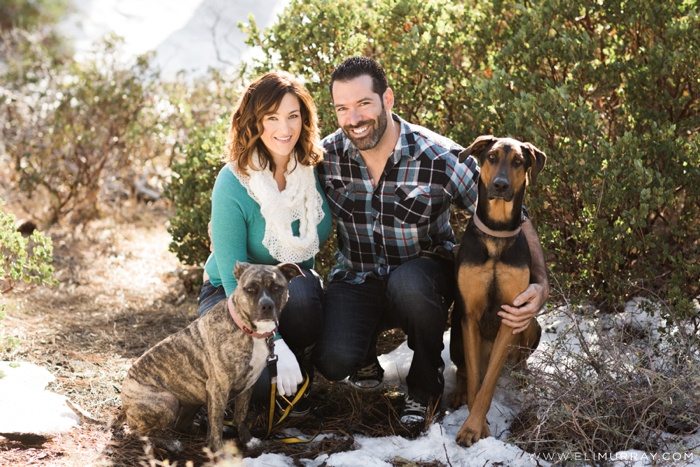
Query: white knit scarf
x,y
299,200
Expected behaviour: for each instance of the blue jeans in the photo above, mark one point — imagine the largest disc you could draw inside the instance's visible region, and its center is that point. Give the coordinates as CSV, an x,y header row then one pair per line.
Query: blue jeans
x,y
416,297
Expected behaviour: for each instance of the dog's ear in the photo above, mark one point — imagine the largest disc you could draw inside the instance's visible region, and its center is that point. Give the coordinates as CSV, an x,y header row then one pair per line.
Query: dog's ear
x,y
290,270
477,146
537,160
239,269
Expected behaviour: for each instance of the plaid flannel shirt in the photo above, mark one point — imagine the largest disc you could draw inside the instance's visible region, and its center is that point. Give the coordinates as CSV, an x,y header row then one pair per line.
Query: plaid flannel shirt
x,y
382,227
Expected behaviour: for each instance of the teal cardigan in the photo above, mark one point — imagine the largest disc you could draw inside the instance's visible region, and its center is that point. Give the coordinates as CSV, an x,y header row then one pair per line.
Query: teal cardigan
x,y
238,228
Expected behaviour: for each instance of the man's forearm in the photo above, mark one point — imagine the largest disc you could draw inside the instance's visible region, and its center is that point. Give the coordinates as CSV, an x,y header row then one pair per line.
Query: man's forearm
x,y
538,268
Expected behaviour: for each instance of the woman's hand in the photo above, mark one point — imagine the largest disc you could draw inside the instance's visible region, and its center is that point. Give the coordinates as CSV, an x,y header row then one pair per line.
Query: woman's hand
x,y
288,371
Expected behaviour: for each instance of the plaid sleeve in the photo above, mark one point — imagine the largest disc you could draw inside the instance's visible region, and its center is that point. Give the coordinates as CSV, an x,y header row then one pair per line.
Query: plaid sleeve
x,y
463,179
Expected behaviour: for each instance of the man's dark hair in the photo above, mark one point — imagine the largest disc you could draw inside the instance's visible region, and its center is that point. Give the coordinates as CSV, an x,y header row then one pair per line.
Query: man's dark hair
x,y
355,67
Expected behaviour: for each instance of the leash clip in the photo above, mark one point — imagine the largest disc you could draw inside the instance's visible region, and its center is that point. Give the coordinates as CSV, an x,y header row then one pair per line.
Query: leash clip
x,y
272,367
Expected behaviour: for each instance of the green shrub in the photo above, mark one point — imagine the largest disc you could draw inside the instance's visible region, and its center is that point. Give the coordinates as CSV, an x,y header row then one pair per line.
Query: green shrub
x,y
69,126
190,191
82,136
21,260
610,93
609,90
422,46
30,14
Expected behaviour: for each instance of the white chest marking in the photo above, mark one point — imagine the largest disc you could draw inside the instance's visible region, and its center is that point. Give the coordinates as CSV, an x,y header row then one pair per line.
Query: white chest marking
x,y
258,360
264,326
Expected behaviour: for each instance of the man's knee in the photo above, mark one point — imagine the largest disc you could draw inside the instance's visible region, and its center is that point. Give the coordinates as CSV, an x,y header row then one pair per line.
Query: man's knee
x,y
422,275
419,281
333,365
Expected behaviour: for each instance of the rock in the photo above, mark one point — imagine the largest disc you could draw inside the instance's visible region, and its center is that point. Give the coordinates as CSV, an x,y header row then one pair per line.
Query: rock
x,y
31,414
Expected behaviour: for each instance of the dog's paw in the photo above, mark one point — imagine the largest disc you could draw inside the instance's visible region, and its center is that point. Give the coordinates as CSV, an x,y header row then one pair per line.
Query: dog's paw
x,y
471,432
173,446
253,443
458,399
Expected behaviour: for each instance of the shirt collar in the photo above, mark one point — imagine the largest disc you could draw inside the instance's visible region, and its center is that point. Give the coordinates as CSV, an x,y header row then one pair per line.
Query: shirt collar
x,y
403,145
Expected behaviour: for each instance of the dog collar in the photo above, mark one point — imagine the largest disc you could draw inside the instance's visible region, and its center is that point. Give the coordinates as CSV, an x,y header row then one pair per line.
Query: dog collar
x,y
494,233
239,323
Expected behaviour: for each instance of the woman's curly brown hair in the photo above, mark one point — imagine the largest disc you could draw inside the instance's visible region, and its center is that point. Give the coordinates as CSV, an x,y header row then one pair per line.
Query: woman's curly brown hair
x,y
263,97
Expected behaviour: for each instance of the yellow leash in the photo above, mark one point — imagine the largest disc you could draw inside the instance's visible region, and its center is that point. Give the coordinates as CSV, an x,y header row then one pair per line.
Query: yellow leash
x,y
272,367
290,405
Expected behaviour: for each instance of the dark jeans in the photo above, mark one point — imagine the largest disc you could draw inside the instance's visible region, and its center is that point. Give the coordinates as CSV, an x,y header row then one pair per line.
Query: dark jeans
x,y
300,325
416,297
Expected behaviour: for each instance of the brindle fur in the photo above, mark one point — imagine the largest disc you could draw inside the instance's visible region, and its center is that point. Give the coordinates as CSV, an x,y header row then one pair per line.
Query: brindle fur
x,y
210,361
491,271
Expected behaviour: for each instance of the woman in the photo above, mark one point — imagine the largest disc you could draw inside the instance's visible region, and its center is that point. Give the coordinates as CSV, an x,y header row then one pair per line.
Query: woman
x,y
268,207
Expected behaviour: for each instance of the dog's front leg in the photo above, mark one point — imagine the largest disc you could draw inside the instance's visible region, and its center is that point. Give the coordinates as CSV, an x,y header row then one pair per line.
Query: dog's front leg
x,y
476,426
216,405
239,417
460,396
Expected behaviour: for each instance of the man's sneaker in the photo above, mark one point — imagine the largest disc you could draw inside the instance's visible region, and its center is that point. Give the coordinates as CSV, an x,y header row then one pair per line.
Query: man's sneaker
x,y
369,377
414,413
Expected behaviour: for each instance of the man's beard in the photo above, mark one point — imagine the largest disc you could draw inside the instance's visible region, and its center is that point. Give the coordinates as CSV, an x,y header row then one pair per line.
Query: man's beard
x,y
374,133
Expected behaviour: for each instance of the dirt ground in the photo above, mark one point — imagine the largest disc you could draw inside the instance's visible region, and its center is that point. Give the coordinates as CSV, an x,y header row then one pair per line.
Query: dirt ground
x,y
120,292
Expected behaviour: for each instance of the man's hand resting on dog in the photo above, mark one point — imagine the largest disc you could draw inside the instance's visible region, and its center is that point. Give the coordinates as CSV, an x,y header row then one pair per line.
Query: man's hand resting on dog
x,y
288,372
525,307
527,304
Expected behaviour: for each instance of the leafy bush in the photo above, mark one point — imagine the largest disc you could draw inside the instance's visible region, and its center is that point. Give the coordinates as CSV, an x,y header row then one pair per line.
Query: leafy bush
x,y
30,14
422,46
609,90
68,126
190,191
21,260
80,136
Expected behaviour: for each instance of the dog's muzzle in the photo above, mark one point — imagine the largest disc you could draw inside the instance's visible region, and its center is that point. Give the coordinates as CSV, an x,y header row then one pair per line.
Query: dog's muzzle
x,y
500,188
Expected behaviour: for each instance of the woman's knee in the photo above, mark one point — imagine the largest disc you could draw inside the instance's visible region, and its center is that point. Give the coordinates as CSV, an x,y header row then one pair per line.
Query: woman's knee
x,y
208,297
301,319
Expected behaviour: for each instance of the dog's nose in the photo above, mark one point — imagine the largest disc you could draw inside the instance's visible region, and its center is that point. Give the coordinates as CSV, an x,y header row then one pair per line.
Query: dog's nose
x,y
501,184
266,305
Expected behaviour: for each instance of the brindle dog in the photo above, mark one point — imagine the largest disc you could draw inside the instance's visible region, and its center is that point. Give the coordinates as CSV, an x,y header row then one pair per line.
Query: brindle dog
x,y
493,267
210,361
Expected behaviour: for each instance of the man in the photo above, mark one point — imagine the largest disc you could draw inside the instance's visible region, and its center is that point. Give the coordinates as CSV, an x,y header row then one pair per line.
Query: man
x,y
390,185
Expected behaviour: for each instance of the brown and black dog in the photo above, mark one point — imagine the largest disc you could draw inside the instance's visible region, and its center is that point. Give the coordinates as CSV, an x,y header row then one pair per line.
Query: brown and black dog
x,y
493,267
